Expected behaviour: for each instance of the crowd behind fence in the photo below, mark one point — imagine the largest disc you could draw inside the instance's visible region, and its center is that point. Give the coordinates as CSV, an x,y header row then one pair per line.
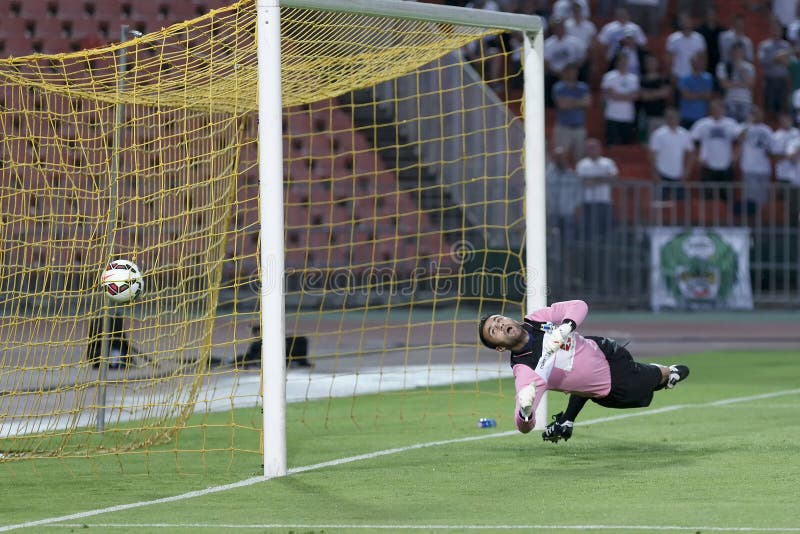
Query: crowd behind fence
x,y
606,256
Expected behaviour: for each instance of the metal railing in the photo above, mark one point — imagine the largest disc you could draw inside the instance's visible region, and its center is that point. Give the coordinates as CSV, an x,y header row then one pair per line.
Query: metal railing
x,y
603,253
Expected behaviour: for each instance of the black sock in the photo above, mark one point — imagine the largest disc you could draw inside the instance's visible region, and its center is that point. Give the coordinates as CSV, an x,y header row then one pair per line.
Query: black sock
x,y
574,407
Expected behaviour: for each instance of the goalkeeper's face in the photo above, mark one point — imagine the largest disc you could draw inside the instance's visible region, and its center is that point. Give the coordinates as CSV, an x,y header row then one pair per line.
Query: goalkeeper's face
x,y
504,332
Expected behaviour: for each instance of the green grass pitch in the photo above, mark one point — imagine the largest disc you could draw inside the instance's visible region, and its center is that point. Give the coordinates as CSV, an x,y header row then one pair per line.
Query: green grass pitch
x,y
724,458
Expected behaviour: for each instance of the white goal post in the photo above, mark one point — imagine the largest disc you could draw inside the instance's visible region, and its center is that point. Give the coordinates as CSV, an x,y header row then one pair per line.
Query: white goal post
x,y
271,196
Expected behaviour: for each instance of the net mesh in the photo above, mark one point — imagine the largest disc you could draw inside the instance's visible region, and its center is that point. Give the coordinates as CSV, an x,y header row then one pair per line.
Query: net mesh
x,y
403,195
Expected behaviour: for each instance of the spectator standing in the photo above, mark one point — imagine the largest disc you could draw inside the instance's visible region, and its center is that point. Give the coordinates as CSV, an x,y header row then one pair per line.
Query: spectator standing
x,y
773,56
789,181
784,11
560,50
635,53
683,46
791,169
783,137
653,96
578,25
596,173
563,199
695,93
612,33
584,29
710,30
620,90
736,78
672,155
717,135
572,97
563,9
755,163
793,33
733,35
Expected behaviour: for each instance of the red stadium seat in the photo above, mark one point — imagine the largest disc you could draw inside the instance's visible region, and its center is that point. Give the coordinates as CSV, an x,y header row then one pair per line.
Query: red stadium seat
x,y
364,209
295,257
15,203
298,171
149,12
340,217
85,29
180,11
350,141
35,10
57,45
360,258
340,121
324,105
49,28
247,213
103,10
322,145
297,216
297,123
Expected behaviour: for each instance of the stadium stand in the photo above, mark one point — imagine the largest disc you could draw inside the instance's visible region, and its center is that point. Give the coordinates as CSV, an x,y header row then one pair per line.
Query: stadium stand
x,y
333,173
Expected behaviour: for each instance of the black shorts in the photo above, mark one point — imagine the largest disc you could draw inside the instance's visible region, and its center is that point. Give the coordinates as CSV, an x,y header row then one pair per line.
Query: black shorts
x,y
632,383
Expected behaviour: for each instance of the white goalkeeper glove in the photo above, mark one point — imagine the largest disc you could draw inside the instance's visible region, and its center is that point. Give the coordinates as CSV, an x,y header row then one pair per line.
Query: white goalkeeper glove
x,y
526,396
557,338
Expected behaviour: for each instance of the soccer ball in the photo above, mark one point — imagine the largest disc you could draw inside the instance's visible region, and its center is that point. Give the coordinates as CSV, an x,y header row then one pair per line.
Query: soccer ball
x,y
122,281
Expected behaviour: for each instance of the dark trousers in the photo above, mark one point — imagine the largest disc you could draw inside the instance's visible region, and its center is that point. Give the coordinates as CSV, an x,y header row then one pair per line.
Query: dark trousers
x,y
632,383
714,175
620,133
672,189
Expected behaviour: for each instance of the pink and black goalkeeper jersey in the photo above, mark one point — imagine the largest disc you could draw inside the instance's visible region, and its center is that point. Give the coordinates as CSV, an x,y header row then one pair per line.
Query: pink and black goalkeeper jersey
x,y
578,367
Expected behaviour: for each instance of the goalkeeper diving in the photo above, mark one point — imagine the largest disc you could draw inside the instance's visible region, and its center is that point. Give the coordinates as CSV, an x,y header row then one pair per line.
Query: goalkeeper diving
x,y
547,353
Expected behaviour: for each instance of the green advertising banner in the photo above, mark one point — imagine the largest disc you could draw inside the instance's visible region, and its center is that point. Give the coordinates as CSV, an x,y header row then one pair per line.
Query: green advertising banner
x,y
700,268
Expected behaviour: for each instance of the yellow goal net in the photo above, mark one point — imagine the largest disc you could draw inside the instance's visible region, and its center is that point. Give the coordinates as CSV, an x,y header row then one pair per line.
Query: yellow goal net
x,y
404,219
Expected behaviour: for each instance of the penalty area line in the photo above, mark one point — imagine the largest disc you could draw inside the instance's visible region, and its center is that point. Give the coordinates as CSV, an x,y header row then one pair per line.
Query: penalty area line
x,y
368,456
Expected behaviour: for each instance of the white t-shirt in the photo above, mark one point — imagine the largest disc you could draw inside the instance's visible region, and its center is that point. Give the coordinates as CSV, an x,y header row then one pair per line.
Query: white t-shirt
x,y
785,11
627,83
716,139
783,141
726,40
584,30
788,171
589,169
558,53
793,32
613,32
670,148
743,71
756,149
563,9
682,48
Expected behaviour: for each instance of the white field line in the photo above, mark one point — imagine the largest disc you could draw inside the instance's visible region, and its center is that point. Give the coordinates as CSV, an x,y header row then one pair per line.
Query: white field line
x,y
368,456
638,528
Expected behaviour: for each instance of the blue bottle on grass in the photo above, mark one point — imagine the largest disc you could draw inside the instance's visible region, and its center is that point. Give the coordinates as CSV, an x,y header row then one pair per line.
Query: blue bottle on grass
x,y
486,423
